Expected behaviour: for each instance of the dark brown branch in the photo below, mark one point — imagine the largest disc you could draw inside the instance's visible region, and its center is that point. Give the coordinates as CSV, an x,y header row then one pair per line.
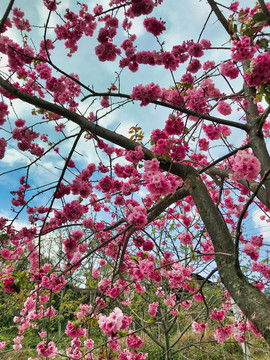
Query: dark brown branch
x,y
220,16
120,140
178,108
251,185
207,167
256,138
57,187
4,18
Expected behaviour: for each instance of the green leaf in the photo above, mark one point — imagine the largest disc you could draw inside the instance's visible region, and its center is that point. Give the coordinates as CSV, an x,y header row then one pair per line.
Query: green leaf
x,y
248,32
261,89
267,98
263,43
77,323
122,333
259,17
242,15
260,23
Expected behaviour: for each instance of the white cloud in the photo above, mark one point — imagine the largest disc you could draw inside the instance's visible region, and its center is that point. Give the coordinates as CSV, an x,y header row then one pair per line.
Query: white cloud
x,y
18,224
14,157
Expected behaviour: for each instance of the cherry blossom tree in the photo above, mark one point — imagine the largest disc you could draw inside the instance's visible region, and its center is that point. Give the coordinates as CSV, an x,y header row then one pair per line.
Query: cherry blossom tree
x,y
158,202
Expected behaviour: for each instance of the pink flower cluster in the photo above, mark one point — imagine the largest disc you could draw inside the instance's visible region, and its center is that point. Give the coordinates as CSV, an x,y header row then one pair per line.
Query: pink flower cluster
x,y
129,355
133,341
26,136
257,240
146,94
152,309
259,72
17,343
89,344
15,60
3,112
140,7
64,89
208,248
218,315
197,327
242,49
71,244
170,59
53,282
109,185
154,26
74,331
224,108
234,6
203,144
179,276
8,284
245,165
106,50
185,239
49,351
74,27
223,334
137,216
50,4
134,156
73,211
19,21
84,310
194,66
251,251
229,70
113,323
158,183
3,145
215,132
174,125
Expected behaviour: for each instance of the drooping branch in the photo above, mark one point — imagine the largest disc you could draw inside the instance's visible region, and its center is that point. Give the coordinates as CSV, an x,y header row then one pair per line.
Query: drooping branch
x,y
261,194
181,109
241,217
57,187
172,106
86,125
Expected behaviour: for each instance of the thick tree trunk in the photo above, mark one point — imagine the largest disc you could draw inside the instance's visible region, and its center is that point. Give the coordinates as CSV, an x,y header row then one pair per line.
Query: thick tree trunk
x,y
254,304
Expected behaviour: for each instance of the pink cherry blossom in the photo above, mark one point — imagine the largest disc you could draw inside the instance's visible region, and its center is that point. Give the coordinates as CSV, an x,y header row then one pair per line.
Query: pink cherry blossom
x,y
152,310
154,26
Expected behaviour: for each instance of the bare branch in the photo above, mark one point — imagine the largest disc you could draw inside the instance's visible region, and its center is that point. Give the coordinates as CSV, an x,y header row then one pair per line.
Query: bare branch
x,y
241,217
